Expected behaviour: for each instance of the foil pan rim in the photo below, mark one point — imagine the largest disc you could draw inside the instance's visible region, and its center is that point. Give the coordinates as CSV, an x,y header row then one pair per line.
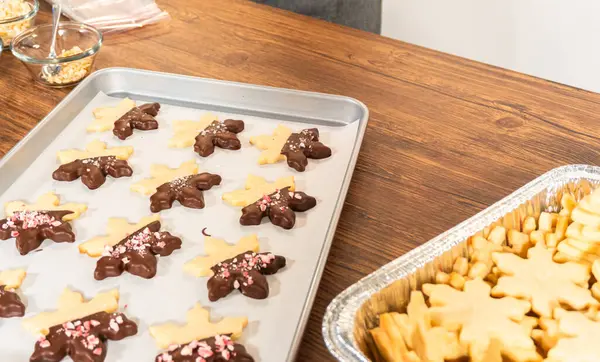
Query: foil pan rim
x,y
338,321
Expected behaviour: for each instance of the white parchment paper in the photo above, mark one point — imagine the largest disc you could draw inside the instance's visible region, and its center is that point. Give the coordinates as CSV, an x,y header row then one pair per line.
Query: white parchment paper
x,y
169,295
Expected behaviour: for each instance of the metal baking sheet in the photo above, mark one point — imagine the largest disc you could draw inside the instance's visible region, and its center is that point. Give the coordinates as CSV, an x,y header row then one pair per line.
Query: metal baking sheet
x,y
355,311
276,324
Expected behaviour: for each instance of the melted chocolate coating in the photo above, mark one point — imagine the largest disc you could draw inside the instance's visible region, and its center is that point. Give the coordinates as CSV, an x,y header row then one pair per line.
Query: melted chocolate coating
x,y
10,304
279,207
220,134
84,340
31,228
93,171
136,253
141,118
301,146
187,190
245,272
219,348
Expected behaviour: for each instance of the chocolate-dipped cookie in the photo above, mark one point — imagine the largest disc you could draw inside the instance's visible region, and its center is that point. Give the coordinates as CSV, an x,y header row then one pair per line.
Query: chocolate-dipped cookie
x,y
78,328
279,207
84,340
188,190
140,118
235,266
219,134
10,302
93,164
295,147
220,348
244,272
136,253
93,171
31,228
182,183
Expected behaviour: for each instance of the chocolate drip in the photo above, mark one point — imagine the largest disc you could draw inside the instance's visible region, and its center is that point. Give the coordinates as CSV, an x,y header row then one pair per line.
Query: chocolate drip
x,y
187,190
137,253
220,134
93,171
219,348
279,207
31,228
84,340
141,118
245,272
10,304
301,146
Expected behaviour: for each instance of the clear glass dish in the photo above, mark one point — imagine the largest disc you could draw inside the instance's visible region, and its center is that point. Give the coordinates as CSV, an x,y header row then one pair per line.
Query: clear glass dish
x,y
76,46
11,27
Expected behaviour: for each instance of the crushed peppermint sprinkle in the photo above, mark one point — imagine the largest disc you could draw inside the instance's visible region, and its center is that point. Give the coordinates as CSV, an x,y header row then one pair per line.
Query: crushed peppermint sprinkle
x,y
277,199
29,220
249,262
83,331
113,325
137,242
43,342
223,346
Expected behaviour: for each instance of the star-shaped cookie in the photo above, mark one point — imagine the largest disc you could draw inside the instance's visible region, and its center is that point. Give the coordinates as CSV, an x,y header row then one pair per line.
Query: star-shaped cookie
x,y
580,342
137,253
124,118
297,148
481,318
79,329
198,327
544,282
93,164
183,184
116,230
130,247
31,224
276,200
207,134
10,302
235,267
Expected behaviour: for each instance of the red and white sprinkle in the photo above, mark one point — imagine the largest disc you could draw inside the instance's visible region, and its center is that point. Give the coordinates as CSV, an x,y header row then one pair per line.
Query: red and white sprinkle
x,y
44,343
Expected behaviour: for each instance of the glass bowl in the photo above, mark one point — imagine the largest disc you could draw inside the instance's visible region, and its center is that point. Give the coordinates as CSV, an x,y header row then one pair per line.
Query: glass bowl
x,y
76,46
11,27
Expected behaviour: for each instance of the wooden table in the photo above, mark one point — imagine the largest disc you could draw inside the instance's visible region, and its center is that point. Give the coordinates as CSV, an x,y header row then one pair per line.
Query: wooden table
x,y
447,136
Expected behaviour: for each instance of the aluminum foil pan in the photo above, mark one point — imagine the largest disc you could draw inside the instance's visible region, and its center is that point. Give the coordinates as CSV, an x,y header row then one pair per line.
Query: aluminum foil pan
x,y
355,311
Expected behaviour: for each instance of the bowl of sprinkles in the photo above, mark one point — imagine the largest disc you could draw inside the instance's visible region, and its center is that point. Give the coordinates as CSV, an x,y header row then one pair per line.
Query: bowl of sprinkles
x,y
16,16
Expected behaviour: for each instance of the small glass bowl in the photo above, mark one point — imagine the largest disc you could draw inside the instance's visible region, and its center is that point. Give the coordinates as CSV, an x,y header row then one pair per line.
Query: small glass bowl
x,y
11,27
76,46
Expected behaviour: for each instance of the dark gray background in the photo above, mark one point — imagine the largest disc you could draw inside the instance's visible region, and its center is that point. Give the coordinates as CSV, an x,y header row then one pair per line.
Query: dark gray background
x,y
360,14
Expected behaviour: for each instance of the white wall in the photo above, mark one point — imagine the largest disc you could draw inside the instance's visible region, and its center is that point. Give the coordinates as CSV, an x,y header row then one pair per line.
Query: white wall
x,y
557,40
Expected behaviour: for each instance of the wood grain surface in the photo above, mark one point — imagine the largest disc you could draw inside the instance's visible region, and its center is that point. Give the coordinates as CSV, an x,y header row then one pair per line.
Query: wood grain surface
x,y
447,136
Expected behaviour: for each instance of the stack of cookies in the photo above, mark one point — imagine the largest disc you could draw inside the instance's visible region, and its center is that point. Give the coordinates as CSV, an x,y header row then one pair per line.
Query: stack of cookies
x,y
528,291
